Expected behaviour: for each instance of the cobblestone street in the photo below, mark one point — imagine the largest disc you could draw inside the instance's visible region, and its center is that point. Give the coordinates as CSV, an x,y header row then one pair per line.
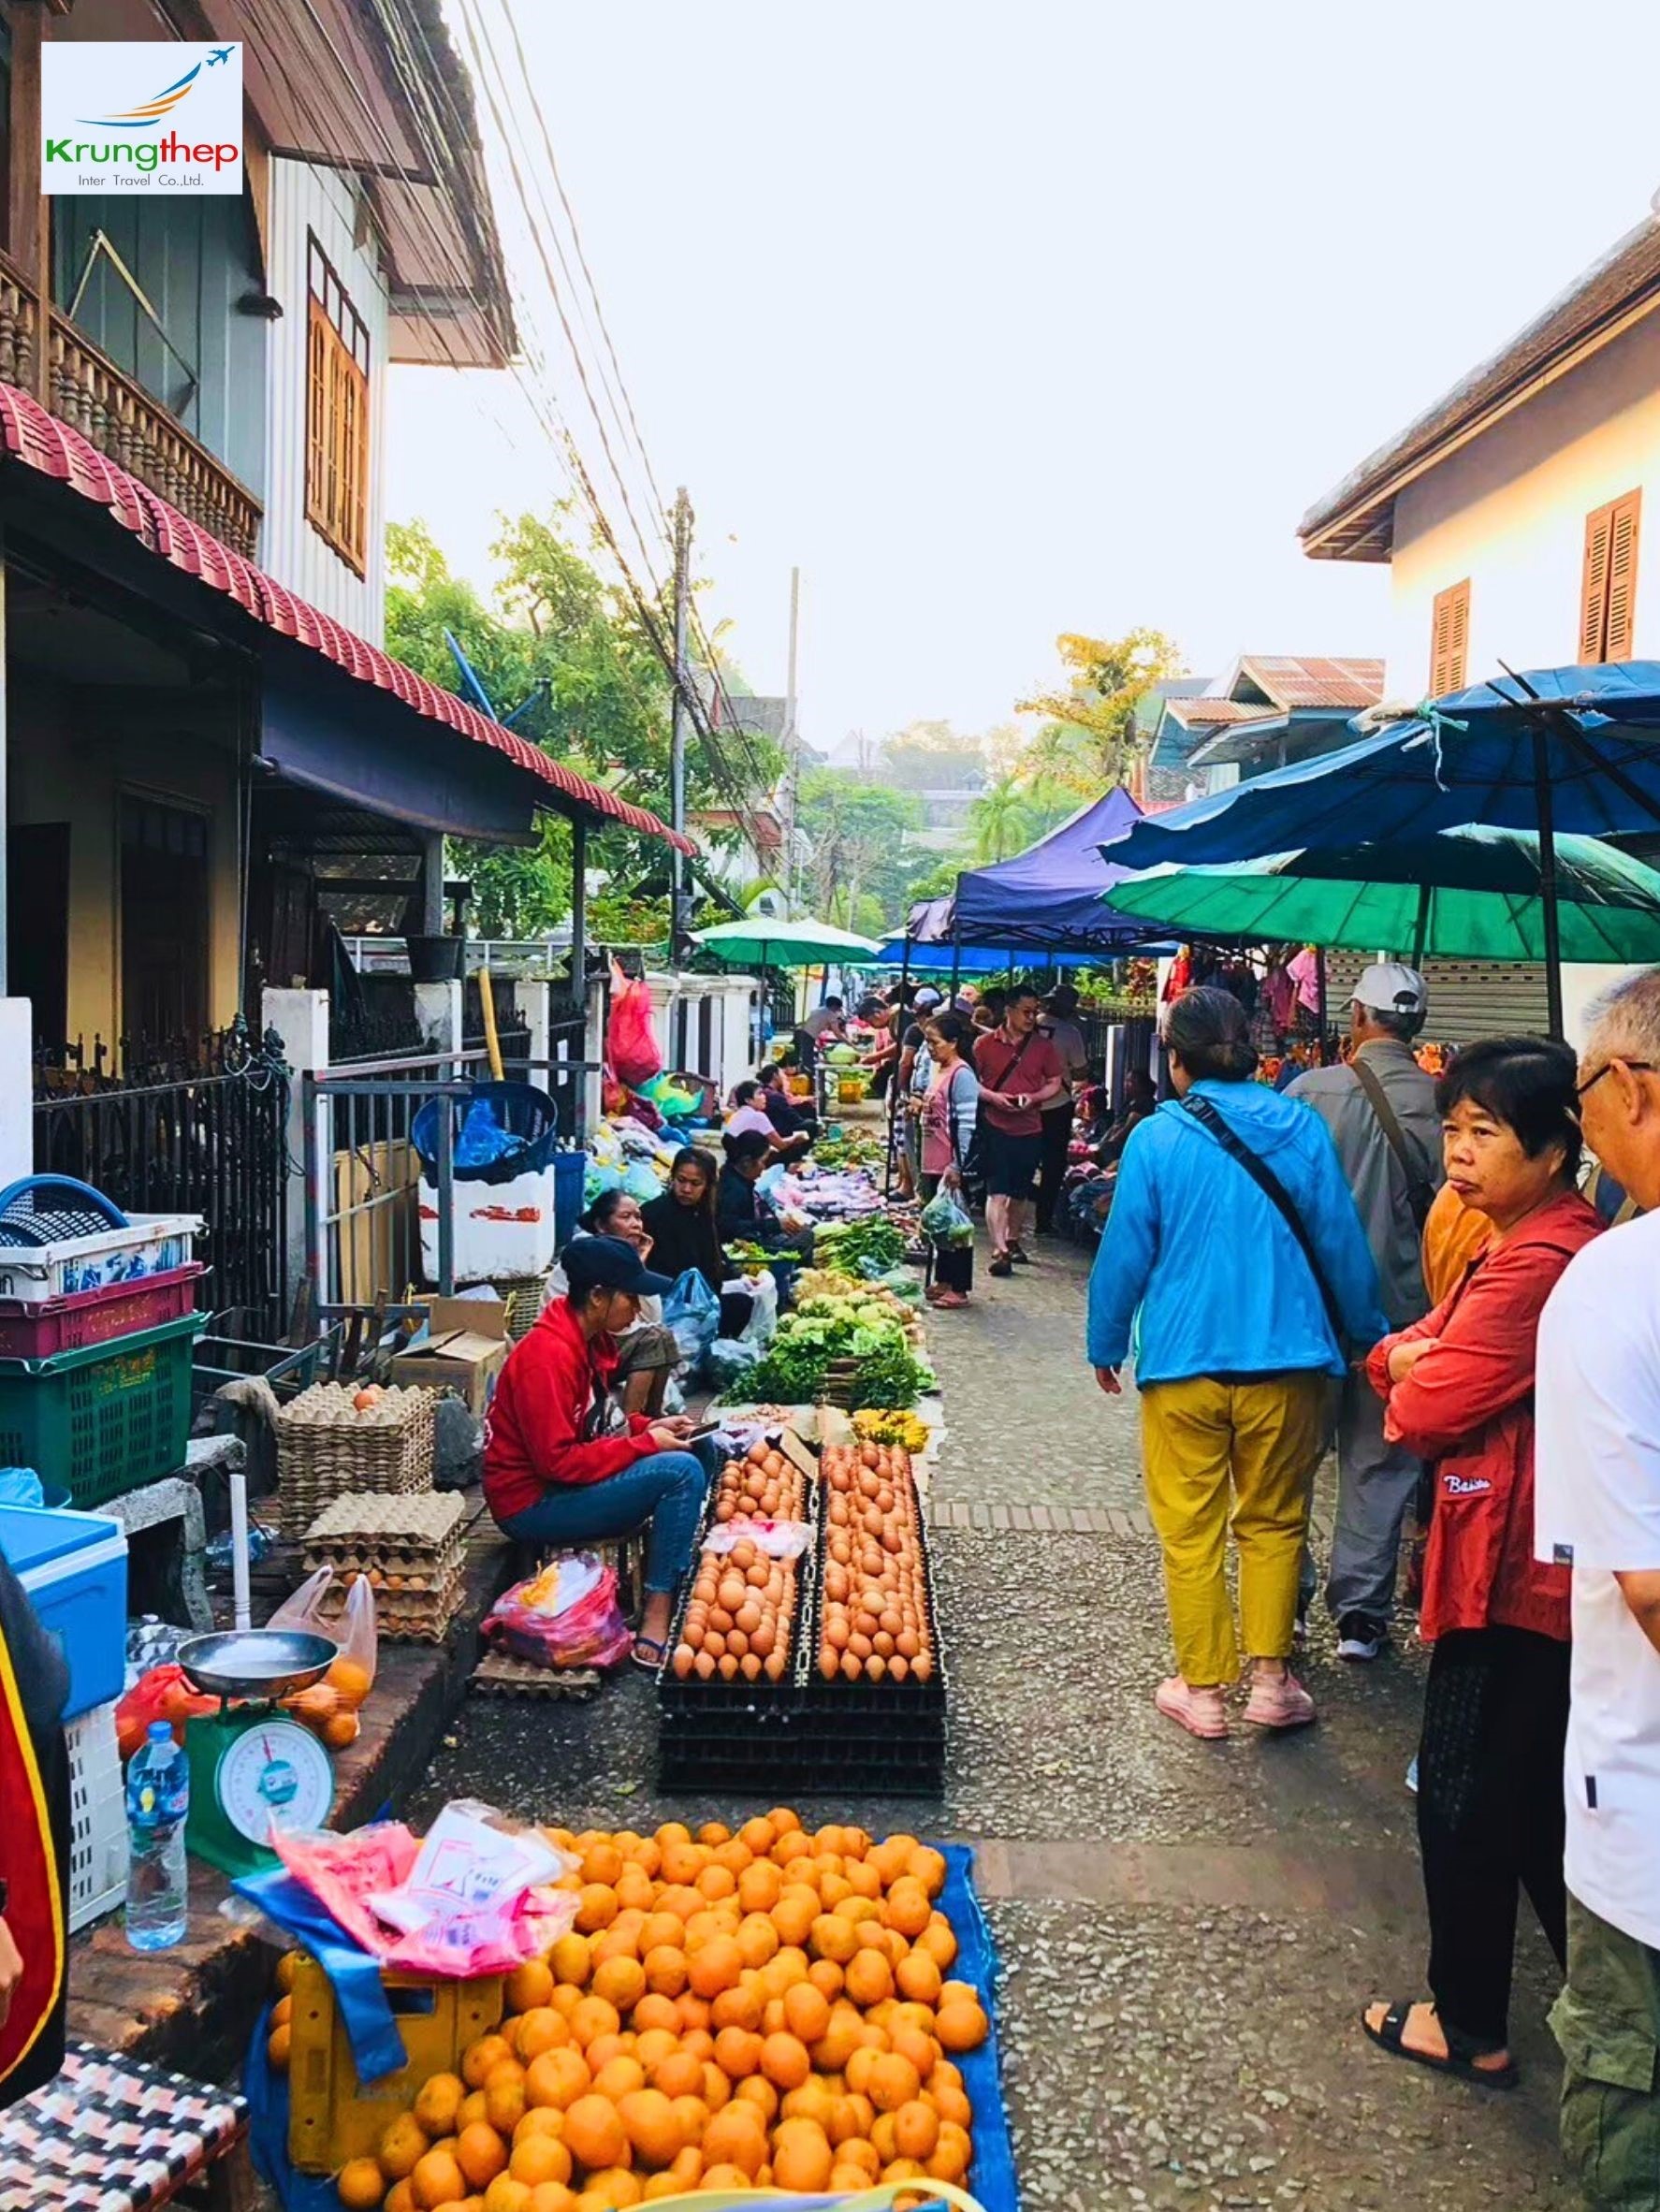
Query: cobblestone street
x,y
1188,1930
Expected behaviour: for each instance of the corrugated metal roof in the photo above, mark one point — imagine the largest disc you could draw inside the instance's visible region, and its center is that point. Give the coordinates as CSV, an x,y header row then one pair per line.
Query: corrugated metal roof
x,y
43,443
1192,713
1355,520
1293,680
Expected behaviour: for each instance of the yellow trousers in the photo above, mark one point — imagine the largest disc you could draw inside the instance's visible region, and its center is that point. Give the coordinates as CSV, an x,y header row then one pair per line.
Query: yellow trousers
x,y
1263,1440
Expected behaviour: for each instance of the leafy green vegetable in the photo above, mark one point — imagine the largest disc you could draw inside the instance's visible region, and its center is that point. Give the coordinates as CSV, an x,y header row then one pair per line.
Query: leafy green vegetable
x,y
796,1363
844,1244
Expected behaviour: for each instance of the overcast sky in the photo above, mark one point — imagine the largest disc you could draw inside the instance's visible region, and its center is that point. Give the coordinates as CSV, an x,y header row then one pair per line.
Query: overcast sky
x,y
1002,321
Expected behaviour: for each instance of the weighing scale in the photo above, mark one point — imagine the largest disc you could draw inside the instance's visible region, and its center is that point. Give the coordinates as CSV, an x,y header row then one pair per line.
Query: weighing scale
x,y
249,1764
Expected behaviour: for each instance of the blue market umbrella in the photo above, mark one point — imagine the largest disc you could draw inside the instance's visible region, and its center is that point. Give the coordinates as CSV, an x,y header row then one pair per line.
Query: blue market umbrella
x,y
1554,750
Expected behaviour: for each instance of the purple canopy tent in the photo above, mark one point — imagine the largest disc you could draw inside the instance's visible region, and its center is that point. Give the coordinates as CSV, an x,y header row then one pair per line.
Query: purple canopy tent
x,y
1048,899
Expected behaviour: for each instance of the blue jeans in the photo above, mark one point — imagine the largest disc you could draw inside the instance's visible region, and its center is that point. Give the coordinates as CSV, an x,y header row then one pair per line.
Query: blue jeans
x,y
667,1490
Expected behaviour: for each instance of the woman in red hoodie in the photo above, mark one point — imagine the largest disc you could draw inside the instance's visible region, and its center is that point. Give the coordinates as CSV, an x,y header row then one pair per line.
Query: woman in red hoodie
x,y
1459,1386
562,1465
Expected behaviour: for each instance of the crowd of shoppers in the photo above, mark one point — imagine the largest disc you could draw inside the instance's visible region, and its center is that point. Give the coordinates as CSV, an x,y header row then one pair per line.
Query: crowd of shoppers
x,y
1417,1268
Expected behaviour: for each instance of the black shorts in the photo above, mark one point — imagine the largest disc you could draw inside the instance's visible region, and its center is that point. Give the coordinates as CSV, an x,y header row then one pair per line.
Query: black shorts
x,y
1009,1164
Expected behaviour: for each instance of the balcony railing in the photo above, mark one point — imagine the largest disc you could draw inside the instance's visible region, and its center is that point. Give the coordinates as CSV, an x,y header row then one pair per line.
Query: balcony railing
x,y
115,413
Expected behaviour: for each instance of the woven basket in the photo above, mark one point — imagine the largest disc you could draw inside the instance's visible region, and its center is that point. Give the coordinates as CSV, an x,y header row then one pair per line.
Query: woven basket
x,y
325,1446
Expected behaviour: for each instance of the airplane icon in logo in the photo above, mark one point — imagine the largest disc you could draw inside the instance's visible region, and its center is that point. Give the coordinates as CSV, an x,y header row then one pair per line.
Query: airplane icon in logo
x,y
216,55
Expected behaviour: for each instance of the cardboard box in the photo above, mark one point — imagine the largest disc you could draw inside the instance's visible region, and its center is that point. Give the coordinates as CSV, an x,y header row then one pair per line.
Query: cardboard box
x,y
463,1348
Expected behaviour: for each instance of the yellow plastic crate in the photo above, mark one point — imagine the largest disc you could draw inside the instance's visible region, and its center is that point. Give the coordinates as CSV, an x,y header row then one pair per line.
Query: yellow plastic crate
x,y
332,2116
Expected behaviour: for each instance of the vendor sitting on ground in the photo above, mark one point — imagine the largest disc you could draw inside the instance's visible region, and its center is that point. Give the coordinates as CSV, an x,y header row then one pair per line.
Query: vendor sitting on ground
x,y
681,1225
794,1125
741,1213
647,1353
563,1466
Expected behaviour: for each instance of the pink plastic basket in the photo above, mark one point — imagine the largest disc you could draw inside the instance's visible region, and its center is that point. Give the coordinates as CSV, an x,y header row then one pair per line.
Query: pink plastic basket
x,y
95,1316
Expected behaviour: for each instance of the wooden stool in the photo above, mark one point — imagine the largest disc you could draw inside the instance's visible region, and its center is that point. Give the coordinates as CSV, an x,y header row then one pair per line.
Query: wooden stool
x,y
113,2134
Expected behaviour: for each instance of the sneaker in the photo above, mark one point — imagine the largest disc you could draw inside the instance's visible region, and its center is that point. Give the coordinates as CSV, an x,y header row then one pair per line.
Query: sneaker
x,y
1359,1636
1001,1267
1278,1701
1201,1712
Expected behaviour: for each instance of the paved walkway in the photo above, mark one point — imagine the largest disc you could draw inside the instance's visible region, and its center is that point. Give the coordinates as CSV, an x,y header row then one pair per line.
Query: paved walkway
x,y
1188,1930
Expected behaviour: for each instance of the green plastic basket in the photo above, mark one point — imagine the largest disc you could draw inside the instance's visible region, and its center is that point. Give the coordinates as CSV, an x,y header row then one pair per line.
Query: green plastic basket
x,y
103,1419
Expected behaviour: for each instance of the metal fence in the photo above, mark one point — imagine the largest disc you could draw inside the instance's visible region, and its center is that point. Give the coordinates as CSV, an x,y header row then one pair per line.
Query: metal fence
x,y
213,1143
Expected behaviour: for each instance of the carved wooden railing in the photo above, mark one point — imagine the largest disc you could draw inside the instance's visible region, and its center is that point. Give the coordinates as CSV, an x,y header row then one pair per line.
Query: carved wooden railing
x,y
115,413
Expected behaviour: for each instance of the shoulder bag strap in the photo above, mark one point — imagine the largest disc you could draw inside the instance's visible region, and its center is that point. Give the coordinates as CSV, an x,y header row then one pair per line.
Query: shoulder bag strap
x,y
1421,1193
1279,1197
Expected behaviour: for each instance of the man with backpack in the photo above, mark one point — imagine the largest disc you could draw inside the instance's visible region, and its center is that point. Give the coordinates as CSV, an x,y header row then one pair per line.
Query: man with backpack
x,y
1380,1109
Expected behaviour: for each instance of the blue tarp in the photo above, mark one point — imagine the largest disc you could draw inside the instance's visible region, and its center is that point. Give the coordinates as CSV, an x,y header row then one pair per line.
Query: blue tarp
x,y
981,959
1471,760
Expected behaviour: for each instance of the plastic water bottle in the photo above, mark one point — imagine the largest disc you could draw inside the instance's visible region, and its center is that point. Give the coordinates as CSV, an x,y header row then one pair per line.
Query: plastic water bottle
x,y
158,1799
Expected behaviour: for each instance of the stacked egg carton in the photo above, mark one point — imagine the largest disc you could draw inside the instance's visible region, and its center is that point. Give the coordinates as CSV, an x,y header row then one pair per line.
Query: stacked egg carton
x,y
335,1438
413,1550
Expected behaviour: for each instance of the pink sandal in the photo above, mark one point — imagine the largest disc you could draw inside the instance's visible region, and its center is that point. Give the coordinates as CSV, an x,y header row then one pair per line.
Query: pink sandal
x,y
1201,1712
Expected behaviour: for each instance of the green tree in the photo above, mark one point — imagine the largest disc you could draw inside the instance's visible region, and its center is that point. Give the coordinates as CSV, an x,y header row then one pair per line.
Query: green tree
x,y
1001,822
932,756
1088,741
858,832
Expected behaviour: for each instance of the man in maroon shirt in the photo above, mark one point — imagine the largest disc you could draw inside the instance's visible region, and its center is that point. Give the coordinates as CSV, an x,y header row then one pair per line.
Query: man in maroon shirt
x,y
562,1466
1019,1071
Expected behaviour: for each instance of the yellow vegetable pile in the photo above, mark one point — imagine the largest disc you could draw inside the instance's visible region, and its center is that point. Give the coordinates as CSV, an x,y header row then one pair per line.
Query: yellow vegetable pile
x,y
763,2009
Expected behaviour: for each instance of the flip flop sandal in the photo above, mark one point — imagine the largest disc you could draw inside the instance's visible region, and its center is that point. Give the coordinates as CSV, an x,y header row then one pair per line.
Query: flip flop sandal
x,y
1461,2054
644,1644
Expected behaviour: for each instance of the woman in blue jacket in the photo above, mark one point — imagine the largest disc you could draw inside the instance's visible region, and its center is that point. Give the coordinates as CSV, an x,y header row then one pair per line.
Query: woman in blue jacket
x,y
1238,1323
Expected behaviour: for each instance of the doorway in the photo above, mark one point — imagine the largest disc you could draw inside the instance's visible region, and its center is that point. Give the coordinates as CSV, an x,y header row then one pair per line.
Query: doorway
x,y
38,927
164,922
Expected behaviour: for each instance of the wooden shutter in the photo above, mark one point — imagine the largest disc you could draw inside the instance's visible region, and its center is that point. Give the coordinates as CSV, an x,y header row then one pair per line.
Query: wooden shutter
x,y
337,442
1449,640
1607,591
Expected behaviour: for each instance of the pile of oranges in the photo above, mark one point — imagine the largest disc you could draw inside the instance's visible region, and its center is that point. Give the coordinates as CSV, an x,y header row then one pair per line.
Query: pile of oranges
x,y
763,2009
876,1622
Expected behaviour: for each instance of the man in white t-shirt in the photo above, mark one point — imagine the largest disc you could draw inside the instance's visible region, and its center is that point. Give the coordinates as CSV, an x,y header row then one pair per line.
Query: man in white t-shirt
x,y
1598,1510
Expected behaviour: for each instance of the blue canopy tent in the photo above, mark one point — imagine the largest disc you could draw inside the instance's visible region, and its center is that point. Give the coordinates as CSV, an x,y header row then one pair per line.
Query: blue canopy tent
x,y
1551,749
939,959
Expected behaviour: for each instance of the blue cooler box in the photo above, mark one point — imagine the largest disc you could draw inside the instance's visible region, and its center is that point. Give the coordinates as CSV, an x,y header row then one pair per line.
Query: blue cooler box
x,y
74,1567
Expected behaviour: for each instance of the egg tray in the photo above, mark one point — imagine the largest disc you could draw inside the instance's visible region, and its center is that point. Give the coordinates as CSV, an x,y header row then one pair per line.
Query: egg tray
x,y
413,1616
886,1700
809,1484
422,1539
694,1694
324,1447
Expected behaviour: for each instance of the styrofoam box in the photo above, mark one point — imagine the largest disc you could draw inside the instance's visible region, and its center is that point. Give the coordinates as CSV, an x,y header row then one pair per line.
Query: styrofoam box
x,y
502,1228
150,1245
74,1567
97,1818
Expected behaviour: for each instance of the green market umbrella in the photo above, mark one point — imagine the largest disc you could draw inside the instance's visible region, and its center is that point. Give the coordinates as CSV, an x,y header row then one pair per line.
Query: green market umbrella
x,y
1470,894
756,942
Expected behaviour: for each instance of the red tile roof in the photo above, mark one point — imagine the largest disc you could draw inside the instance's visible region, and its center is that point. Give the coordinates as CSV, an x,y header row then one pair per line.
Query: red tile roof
x,y
1291,680
42,442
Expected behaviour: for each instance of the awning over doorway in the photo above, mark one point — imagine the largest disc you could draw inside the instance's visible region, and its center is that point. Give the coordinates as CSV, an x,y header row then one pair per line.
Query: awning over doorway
x,y
29,434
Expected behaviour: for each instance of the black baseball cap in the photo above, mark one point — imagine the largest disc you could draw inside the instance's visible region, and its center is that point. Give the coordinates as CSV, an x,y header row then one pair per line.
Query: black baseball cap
x,y
591,1263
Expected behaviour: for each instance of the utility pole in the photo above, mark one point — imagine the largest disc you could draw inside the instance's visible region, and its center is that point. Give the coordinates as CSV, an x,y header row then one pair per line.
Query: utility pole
x,y
677,879
792,747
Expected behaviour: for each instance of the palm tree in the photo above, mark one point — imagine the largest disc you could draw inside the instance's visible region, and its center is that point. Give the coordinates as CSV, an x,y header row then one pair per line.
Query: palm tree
x,y
1002,820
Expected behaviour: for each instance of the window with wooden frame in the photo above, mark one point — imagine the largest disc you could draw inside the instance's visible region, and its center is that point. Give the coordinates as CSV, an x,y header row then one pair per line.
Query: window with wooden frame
x,y
1607,591
1449,640
336,412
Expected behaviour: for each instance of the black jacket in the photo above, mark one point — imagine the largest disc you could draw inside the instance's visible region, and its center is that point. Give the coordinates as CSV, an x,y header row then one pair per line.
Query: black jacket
x,y
682,1237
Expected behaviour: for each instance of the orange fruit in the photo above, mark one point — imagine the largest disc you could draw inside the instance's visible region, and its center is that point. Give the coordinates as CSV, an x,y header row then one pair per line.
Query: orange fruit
x,y
541,2120
481,2058
784,2060
737,2136
620,1982
758,1835
938,1940
361,2185
738,2052
908,1908
793,1914
917,1977
653,2044
601,1863
665,1968
894,2081
654,2128
437,2180
757,2090
757,1939
543,2030
833,1938
760,1886
815,2100
961,2024
571,1959
870,1978
952,2154
613,2191
549,2196
505,2097
595,2136
713,1831
677,2073
716,1967
596,1907
826,1977
858,2155
927,1866
724,2175
557,2079
481,2154
504,2194
801,2157
402,2148
951,2101
717,2089
529,1985
853,2117
435,2107
617,2078
916,2129
540,2159
594,2018
806,2011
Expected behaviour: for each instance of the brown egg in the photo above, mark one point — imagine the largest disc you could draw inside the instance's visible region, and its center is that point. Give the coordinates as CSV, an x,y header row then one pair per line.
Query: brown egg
x,y
704,1664
763,1638
685,1659
728,1667
749,1667
853,1666
898,1669
748,1616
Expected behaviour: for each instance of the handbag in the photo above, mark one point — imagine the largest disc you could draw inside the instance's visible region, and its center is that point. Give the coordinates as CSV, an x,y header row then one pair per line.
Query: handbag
x,y
1202,1112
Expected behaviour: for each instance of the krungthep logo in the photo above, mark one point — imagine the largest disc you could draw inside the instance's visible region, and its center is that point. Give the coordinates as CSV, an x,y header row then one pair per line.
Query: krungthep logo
x,y
130,117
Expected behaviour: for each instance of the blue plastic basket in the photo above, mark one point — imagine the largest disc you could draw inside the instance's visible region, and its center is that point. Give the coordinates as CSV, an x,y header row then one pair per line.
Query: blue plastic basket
x,y
570,1177
520,1109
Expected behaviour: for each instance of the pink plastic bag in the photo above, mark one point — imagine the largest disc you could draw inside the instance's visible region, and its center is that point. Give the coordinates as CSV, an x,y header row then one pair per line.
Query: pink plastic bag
x,y
529,1622
630,1042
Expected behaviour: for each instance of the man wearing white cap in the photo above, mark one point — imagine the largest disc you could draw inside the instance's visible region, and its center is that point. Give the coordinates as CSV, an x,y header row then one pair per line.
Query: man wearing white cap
x,y
1380,1109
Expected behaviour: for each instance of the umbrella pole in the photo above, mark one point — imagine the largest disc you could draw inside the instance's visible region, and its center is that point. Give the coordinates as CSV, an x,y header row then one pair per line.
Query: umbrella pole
x,y
887,1186
1547,889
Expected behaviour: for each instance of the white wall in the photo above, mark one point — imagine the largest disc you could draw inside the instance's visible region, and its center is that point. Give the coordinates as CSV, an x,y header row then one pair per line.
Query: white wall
x,y
323,201
1509,511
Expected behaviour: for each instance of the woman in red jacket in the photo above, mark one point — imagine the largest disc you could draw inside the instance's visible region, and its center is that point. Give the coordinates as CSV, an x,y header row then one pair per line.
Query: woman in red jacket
x,y
1459,1386
562,1465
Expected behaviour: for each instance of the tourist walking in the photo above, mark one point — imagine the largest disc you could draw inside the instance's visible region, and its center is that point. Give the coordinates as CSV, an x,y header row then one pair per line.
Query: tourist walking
x,y
1458,1389
1234,1253
1060,1026
950,1117
1019,1071
1380,1109
1599,1511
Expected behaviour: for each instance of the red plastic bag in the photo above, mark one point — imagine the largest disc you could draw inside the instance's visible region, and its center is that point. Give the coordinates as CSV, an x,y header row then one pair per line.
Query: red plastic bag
x,y
530,1620
162,1695
631,1042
